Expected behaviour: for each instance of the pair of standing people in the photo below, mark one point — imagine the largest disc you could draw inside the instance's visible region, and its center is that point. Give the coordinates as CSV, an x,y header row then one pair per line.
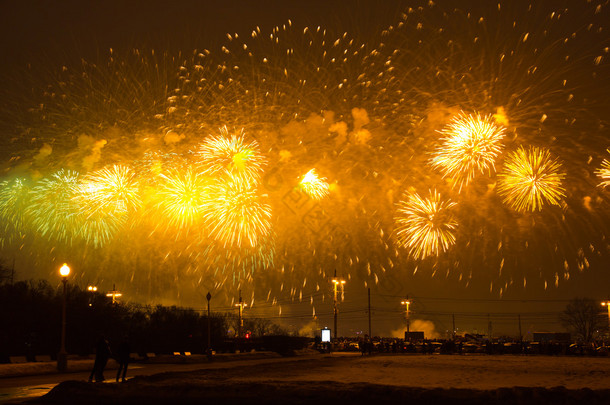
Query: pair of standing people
x,y
103,353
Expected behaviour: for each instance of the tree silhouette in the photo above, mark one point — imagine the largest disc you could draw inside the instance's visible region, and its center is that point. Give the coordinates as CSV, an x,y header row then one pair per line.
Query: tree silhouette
x,y
584,318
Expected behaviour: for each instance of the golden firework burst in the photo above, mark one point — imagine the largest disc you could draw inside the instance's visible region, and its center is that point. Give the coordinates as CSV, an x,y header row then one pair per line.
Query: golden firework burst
x,y
425,226
530,179
236,213
231,155
470,145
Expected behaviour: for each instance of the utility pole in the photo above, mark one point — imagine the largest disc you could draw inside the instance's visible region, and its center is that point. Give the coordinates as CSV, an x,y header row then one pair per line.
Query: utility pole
x,y
241,306
520,334
337,281
370,334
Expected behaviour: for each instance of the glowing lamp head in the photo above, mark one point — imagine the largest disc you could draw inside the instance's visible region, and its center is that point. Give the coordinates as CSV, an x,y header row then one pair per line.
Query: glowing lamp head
x,y
64,270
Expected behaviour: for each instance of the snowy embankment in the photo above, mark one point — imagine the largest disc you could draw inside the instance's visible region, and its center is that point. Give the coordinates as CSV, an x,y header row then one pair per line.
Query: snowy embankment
x,y
376,379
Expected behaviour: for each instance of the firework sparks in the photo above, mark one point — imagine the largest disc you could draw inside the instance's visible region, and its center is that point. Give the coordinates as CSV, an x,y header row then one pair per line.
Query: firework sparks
x,y
470,145
180,197
425,226
13,200
235,213
314,186
52,209
361,106
230,154
113,189
531,178
604,172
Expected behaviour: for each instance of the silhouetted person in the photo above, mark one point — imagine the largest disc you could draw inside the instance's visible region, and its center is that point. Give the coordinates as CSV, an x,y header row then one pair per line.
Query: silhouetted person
x,y
102,353
122,357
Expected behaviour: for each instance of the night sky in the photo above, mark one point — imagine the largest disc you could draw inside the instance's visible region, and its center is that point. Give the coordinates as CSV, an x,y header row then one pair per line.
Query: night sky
x,y
86,85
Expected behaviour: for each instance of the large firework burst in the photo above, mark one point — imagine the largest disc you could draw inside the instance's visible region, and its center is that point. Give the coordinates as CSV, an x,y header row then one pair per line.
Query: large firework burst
x,y
52,210
425,226
14,196
470,145
231,155
236,213
112,189
530,179
180,198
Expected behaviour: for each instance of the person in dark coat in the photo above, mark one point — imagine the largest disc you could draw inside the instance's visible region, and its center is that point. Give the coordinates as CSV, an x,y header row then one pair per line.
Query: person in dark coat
x,y
102,354
122,358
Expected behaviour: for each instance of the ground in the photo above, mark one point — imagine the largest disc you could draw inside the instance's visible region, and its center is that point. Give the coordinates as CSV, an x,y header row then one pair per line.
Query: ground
x,y
378,379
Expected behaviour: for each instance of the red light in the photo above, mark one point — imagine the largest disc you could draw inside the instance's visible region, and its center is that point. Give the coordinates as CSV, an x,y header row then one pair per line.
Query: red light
x,y
247,335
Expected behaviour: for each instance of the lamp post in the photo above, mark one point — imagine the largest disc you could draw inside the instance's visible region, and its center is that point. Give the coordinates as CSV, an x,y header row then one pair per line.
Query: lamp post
x,y
209,297
92,290
406,303
62,356
337,281
607,305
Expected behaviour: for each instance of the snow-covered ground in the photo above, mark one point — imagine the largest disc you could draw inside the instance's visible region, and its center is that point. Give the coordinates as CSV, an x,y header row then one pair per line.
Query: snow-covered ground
x,y
478,372
355,379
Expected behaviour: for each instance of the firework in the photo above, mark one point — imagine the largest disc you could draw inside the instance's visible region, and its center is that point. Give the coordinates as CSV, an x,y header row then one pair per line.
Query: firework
x,y
531,178
231,155
97,228
470,145
425,226
13,200
112,189
52,209
235,213
242,261
360,105
604,172
314,186
180,197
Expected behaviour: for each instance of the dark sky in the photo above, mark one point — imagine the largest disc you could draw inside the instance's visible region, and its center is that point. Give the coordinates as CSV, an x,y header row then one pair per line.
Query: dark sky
x,y
81,29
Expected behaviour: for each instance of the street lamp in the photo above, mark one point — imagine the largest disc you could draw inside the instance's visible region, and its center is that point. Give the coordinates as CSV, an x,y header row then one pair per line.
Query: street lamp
x,y
92,290
62,356
337,282
406,303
